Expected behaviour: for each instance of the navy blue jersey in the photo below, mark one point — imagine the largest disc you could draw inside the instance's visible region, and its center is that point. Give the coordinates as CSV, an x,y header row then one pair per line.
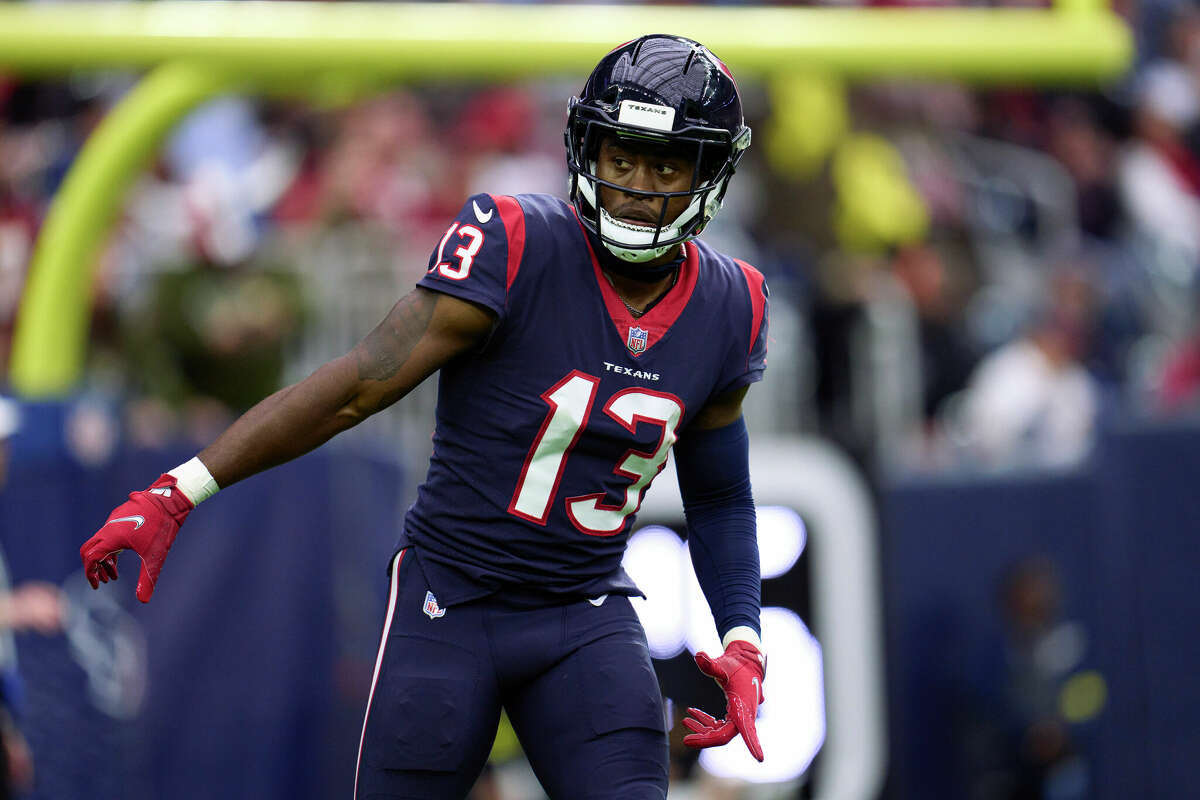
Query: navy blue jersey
x,y
547,437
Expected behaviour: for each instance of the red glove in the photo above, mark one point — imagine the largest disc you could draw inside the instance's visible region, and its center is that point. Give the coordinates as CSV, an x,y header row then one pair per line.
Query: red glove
x,y
146,524
739,673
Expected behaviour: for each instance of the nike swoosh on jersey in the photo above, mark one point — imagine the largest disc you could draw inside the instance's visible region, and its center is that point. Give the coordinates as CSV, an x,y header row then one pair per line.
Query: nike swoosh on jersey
x,y
598,601
479,215
137,518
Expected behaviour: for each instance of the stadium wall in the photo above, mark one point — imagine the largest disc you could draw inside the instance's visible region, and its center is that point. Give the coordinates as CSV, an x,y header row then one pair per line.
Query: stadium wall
x,y
261,637
1120,536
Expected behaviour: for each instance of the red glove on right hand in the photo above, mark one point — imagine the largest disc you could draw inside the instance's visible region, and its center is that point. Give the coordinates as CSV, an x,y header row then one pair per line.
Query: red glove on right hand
x,y
146,524
739,673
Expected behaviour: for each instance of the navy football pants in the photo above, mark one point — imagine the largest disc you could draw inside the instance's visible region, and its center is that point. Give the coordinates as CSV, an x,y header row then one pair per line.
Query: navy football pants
x,y
575,679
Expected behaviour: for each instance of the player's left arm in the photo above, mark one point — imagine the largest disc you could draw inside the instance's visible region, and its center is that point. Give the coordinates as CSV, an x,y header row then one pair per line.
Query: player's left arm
x,y
712,459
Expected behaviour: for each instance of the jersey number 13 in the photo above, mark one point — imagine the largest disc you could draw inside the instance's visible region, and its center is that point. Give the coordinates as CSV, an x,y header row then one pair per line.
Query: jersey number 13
x,y
570,402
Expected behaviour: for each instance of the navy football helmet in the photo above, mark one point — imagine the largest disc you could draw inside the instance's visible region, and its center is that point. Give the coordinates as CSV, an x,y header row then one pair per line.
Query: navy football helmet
x,y
662,89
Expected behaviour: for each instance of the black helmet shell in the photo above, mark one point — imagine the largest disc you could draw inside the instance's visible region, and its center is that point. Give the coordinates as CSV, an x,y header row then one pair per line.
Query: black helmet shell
x,y
669,71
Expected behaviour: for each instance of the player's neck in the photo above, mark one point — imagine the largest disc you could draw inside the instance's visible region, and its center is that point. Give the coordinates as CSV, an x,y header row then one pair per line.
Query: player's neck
x,y
638,296
637,285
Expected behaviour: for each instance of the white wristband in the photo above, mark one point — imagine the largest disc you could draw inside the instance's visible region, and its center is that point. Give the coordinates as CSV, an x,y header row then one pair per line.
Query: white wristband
x,y
194,480
742,633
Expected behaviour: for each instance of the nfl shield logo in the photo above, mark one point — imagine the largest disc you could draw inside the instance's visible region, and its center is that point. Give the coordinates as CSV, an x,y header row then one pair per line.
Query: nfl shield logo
x,y
637,340
432,610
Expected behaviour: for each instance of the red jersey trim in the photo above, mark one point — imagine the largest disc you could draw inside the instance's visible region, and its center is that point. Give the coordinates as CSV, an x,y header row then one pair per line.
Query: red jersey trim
x,y
758,301
658,320
513,217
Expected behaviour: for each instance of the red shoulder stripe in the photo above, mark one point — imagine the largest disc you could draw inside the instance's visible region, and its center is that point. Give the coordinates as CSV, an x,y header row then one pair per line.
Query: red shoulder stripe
x,y
513,217
758,301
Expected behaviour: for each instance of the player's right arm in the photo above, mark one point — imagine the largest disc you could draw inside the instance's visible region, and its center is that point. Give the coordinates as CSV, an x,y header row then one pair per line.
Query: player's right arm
x,y
423,331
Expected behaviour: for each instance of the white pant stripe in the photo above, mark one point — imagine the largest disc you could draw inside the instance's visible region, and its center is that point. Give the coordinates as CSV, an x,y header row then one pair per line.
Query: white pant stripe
x,y
387,625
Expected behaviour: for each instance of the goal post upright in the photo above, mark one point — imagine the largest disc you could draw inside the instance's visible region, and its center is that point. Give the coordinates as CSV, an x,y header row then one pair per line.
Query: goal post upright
x,y
50,341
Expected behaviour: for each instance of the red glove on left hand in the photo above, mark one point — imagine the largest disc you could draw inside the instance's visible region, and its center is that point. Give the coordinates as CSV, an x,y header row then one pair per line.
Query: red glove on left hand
x,y
739,673
146,524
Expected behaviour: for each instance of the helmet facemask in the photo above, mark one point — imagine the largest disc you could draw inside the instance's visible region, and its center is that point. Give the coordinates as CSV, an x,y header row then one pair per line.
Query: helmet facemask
x,y
713,152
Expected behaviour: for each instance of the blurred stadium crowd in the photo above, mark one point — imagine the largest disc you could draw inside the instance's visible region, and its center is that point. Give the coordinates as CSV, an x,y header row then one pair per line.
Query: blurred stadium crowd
x,y
961,276
963,279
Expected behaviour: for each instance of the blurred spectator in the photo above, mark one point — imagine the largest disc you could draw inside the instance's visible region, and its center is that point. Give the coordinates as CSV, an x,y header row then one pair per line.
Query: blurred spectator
x,y
1024,737
1076,138
18,221
42,125
386,166
1159,174
216,333
1178,389
838,318
499,143
947,357
34,606
1032,402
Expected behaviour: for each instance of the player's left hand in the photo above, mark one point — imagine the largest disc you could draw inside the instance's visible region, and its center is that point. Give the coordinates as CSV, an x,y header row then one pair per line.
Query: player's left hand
x,y
739,673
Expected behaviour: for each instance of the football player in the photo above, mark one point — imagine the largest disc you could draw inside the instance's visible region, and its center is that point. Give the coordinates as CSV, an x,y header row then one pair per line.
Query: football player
x,y
577,343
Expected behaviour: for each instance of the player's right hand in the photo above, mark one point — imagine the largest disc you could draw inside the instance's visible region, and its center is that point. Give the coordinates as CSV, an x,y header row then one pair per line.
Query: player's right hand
x,y
146,524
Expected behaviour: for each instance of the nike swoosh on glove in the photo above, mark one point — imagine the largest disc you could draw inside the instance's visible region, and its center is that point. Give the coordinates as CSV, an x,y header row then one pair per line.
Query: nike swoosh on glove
x,y
146,524
739,673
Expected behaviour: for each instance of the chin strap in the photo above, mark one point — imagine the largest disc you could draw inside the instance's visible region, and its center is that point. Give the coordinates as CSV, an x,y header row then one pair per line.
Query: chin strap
x,y
642,273
632,243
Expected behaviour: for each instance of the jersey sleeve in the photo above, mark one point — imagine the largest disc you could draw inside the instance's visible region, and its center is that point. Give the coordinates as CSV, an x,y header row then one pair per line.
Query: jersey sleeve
x,y
747,358
479,255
